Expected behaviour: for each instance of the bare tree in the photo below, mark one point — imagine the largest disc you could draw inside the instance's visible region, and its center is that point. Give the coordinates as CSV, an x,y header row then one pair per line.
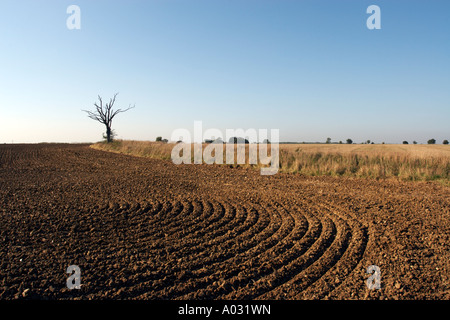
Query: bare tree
x,y
105,114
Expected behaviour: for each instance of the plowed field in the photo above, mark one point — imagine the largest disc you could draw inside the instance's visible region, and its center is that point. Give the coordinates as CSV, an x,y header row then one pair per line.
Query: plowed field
x,y
148,229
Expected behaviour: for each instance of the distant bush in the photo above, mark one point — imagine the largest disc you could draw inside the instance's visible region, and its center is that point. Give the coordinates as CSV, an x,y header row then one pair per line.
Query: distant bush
x,y
445,142
431,141
237,140
405,142
112,136
349,141
218,140
159,139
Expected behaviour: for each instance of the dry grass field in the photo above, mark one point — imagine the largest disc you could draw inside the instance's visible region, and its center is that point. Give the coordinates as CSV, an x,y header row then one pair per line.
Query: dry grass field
x,y
407,162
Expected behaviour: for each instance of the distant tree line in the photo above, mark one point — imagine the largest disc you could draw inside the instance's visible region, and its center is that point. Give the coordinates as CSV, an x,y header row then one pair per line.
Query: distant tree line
x,y
350,141
235,140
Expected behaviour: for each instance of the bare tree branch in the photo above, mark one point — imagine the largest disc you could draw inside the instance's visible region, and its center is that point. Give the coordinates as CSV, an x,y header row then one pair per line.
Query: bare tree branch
x,y
120,111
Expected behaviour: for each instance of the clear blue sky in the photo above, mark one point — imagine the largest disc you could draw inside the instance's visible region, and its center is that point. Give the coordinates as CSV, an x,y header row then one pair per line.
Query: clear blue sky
x,y
309,68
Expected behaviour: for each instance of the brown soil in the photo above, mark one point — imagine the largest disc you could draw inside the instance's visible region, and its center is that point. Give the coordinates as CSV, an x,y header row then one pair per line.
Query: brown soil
x,y
148,229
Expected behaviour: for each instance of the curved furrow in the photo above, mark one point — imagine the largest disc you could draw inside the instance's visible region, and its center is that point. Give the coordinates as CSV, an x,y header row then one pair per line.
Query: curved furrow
x,y
252,222
281,267
328,253
219,233
232,251
341,271
254,262
205,273
237,253
195,235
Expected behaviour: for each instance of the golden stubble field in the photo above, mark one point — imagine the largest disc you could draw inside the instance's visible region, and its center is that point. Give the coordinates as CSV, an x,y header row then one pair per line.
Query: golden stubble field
x,y
407,162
